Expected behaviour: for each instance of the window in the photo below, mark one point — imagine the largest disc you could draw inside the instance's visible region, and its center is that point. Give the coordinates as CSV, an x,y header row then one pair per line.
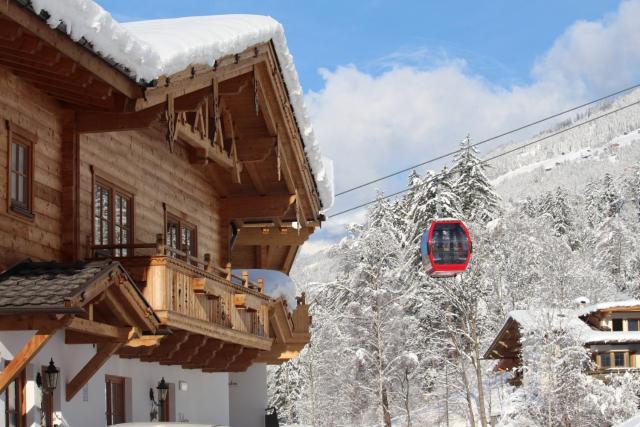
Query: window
x,y
181,235
605,360
617,324
618,360
632,325
115,400
112,218
15,413
20,171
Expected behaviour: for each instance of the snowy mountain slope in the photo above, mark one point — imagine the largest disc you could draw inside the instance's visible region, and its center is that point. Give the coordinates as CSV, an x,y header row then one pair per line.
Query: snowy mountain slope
x,y
608,145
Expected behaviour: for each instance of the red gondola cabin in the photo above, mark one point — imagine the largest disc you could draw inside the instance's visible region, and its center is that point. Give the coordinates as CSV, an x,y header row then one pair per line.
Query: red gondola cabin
x,y
446,248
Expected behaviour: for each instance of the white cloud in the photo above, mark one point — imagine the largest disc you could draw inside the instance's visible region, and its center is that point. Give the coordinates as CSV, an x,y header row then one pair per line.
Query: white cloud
x,y
373,124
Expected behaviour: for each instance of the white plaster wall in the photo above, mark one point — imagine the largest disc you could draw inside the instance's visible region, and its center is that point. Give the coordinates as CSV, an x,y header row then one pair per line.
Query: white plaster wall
x,y
205,401
248,396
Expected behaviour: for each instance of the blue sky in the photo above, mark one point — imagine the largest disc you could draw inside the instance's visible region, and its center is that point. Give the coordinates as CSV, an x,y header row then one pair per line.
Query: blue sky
x,y
499,39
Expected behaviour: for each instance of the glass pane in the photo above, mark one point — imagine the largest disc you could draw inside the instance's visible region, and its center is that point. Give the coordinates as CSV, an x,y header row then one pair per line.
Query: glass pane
x,y
14,156
633,324
605,360
14,186
618,359
21,189
617,324
449,244
21,159
172,234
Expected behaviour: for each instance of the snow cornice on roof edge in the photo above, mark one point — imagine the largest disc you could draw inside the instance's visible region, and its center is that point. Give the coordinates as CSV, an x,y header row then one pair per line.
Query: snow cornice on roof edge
x,y
147,50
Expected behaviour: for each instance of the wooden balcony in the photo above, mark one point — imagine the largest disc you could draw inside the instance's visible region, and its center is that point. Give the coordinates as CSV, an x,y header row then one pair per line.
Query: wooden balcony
x,y
193,296
220,322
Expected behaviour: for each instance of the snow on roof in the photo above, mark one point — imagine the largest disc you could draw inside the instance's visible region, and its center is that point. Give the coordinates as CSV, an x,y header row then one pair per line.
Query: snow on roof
x,y
150,49
529,319
607,305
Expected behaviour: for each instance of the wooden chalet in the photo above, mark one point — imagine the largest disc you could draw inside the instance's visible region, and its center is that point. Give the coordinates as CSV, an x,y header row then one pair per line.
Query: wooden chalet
x,y
609,330
129,209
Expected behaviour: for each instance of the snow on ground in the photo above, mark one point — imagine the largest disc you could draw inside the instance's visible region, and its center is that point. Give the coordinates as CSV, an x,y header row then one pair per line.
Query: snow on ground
x,y
631,422
150,49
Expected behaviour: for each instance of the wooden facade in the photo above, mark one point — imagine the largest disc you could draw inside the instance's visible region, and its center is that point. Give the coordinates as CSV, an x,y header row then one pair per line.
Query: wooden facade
x,y
210,156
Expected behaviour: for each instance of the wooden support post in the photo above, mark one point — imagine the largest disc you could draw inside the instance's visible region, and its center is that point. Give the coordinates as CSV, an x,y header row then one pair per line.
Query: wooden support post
x,y
105,351
261,285
160,246
24,356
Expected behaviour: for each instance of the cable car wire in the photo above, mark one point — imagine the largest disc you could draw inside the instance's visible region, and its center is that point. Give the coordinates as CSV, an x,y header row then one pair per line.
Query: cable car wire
x,y
484,141
520,147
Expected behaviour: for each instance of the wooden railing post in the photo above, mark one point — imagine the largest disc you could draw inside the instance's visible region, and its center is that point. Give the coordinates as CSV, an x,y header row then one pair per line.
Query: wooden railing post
x,y
245,279
229,271
261,285
160,246
208,263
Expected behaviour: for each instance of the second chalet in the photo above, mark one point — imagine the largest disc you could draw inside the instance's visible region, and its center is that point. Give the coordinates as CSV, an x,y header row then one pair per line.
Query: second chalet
x,y
609,330
144,168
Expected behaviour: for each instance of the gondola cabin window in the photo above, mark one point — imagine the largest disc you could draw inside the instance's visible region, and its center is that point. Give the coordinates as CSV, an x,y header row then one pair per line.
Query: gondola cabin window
x,y
20,169
113,210
181,236
446,248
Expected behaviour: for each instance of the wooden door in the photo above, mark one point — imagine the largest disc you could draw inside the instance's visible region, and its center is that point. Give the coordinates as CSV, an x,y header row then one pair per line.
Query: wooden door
x,y
115,400
15,408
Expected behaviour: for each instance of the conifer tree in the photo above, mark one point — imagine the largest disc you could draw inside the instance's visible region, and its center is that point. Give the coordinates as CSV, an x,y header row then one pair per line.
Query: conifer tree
x,y
479,201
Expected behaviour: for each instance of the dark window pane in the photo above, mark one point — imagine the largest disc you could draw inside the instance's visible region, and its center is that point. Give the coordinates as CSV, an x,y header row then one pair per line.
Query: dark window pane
x,y
14,186
633,324
605,360
618,359
14,156
449,244
617,324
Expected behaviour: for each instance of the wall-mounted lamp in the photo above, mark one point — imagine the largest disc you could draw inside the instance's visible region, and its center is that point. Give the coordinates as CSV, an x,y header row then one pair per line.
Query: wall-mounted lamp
x,y
183,386
163,390
49,381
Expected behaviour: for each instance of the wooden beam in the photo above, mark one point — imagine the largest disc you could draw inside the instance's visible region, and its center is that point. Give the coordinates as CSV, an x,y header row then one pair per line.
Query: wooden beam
x,y
117,308
99,329
104,352
224,358
70,174
24,356
31,323
186,351
289,258
255,178
68,47
257,207
250,236
92,122
204,355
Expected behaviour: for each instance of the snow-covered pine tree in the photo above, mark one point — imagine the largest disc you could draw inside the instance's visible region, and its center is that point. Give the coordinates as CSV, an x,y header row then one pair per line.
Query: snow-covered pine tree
x,y
480,203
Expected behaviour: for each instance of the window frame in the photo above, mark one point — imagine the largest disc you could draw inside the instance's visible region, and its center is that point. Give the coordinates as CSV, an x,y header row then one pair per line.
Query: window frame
x,y
115,191
109,413
182,224
20,136
626,354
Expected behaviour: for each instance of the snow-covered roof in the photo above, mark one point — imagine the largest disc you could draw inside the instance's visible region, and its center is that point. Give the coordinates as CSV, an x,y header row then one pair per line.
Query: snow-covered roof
x,y
608,305
529,319
150,49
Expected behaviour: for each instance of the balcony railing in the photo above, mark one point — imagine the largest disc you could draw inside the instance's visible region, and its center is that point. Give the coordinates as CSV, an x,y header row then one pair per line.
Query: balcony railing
x,y
192,293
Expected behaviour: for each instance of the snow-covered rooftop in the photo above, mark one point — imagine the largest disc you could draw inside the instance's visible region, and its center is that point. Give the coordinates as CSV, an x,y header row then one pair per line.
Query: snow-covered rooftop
x,y
150,49
608,305
570,319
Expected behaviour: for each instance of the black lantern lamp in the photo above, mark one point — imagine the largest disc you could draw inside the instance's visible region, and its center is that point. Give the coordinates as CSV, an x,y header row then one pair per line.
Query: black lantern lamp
x,y
163,389
50,379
